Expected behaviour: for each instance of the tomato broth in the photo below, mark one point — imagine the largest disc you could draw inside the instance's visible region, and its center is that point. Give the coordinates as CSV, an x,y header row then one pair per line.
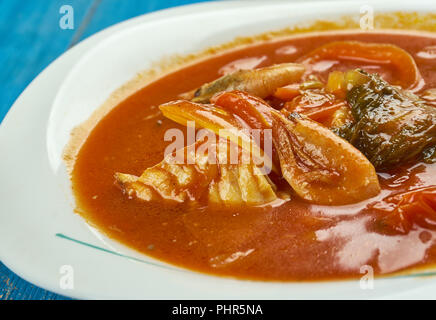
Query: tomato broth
x,y
288,240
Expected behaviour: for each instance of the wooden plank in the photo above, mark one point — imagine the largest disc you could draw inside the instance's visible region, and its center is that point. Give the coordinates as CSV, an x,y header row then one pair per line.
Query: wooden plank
x,y
13,287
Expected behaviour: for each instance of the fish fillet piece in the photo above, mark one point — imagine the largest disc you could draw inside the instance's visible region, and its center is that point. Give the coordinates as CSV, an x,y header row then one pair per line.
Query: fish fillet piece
x,y
320,166
261,82
207,175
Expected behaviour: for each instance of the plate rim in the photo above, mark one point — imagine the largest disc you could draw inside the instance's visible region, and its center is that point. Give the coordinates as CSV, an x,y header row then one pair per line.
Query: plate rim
x,y
77,53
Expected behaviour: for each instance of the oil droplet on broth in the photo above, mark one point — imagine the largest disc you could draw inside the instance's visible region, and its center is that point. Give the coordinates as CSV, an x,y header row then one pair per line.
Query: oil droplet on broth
x,y
242,64
427,53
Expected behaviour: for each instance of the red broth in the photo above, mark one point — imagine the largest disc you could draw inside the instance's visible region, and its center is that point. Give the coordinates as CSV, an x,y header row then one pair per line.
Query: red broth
x,y
289,241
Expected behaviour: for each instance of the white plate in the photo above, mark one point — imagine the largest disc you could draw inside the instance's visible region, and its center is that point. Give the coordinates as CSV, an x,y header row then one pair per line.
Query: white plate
x,y
36,206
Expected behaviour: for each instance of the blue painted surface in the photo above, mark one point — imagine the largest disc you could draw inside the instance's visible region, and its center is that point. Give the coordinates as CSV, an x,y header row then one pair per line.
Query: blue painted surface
x,y
120,13
30,39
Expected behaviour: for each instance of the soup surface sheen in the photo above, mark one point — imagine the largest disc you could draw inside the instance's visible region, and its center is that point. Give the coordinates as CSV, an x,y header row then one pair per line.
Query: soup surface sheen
x,y
291,240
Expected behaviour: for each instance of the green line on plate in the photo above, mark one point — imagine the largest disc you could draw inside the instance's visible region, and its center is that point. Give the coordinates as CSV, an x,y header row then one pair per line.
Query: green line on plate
x,y
62,236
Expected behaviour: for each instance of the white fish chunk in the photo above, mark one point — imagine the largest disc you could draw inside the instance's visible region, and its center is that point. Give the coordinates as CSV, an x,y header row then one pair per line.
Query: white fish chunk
x,y
208,176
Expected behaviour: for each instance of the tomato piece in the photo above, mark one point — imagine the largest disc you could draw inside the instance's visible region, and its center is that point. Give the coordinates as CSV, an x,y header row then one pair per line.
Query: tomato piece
x,y
254,111
289,92
383,54
316,104
400,212
321,114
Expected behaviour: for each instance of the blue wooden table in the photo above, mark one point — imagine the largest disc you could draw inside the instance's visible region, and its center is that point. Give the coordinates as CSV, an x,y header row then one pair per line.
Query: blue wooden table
x,y
30,39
